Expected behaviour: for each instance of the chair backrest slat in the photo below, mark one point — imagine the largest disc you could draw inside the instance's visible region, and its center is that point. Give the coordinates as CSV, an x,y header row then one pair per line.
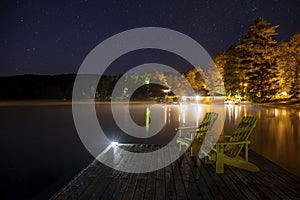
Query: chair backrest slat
x,y
242,133
206,124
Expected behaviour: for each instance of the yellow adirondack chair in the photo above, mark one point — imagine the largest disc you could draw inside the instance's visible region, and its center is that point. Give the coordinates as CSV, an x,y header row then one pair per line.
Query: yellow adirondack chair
x,y
227,153
196,134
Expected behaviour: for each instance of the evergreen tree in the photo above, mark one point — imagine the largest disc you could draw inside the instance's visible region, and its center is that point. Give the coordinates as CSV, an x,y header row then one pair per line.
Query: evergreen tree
x,y
195,79
233,72
284,63
206,79
258,60
161,77
220,60
294,51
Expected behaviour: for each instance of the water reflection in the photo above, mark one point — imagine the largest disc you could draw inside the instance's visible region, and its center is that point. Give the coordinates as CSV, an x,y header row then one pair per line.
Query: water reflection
x,y
29,133
276,135
147,118
190,114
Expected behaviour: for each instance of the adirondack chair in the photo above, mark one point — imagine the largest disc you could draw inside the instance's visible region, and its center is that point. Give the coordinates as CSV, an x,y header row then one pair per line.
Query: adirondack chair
x,y
228,152
196,133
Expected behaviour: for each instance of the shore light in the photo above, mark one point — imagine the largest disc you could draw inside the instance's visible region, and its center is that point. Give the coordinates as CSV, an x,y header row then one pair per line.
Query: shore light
x,y
114,144
166,90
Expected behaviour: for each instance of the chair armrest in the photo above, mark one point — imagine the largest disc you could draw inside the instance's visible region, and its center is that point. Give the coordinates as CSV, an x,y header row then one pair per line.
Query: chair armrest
x,y
225,136
190,130
218,136
186,128
205,124
232,142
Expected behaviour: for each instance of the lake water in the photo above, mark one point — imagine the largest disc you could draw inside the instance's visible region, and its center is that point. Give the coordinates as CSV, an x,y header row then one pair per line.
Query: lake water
x,y
41,150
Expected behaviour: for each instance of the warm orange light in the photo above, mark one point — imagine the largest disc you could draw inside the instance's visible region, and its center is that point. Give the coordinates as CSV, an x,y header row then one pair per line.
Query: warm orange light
x,y
166,90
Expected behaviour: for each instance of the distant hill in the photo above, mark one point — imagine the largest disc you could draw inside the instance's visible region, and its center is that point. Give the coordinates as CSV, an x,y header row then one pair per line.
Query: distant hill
x,y
60,87
37,86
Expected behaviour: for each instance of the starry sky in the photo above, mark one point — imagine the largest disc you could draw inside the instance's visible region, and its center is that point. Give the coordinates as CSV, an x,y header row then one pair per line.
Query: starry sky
x,y
54,36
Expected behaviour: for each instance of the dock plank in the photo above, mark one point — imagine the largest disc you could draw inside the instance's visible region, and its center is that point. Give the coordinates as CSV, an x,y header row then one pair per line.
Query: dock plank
x,y
151,176
160,180
189,179
179,185
186,178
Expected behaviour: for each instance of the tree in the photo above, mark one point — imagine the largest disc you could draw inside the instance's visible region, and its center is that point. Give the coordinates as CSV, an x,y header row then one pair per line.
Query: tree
x,y
213,80
234,73
195,79
294,51
258,60
220,60
203,79
285,63
160,77
180,85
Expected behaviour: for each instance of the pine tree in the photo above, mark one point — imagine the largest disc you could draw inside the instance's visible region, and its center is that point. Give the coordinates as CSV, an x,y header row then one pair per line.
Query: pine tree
x,y
294,52
195,79
233,73
284,62
220,60
258,60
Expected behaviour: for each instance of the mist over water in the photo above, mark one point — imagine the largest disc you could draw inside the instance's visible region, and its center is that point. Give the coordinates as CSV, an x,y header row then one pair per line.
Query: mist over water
x,y
41,150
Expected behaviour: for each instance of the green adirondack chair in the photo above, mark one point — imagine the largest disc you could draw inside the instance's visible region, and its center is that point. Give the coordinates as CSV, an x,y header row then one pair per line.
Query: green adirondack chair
x,y
196,134
228,152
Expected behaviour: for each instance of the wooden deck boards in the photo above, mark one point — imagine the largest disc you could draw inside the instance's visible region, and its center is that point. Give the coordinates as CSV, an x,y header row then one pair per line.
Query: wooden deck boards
x,y
186,178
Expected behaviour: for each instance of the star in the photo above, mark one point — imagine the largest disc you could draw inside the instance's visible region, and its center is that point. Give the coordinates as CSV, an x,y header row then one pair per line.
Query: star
x,y
66,24
253,9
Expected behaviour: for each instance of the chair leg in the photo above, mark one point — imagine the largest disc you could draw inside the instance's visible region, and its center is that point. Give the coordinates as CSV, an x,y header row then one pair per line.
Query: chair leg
x,y
220,160
207,160
194,151
219,167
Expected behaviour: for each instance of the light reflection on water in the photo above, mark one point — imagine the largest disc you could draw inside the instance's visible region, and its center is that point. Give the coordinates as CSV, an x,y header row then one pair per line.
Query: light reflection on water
x,y
276,136
277,133
40,148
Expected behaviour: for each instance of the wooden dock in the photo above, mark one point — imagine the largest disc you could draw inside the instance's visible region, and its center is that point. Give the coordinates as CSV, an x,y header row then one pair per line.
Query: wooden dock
x,y
187,178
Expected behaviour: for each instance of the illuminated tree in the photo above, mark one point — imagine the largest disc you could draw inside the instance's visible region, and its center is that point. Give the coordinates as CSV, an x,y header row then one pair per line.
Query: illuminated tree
x,y
285,63
182,87
294,51
208,78
160,76
234,73
195,79
220,60
258,60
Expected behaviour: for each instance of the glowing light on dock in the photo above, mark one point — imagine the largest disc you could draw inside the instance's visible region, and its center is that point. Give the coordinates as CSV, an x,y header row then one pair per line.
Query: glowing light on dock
x,y
114,144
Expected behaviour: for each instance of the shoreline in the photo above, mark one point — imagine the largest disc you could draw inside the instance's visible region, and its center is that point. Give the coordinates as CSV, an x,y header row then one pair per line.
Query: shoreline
x,y
294,105
4,103
50,102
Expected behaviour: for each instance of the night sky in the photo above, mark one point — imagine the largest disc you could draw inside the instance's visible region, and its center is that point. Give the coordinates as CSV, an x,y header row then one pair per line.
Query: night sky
x,y
53,37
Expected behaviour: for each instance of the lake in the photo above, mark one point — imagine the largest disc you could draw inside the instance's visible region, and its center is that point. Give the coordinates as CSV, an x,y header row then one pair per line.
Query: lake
x,y
41,150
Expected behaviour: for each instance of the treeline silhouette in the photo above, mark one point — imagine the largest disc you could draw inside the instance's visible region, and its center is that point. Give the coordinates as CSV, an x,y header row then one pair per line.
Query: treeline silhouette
x,y
60,87
258,69
37,86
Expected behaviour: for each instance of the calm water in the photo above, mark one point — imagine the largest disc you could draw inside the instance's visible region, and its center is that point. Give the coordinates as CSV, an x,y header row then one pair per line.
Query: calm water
x,y
277,134
41,150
